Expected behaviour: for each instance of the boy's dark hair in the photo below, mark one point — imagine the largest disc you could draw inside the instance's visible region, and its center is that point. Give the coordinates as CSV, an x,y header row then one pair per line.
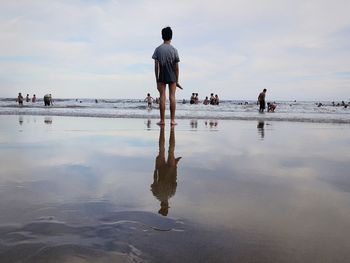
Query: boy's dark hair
x,y
264,90
167,33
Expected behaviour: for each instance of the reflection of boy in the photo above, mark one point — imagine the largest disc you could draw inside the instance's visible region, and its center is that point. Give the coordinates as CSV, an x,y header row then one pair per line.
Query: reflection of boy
x,y
165,173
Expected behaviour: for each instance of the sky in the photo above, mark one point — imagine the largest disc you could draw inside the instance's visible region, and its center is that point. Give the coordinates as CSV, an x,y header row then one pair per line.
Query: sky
x,y
296,49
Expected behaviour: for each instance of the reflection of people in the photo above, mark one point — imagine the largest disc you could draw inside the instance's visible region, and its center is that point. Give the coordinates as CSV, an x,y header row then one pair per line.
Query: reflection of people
x,y
212,123
261,100
165,172
261,130
166,67
149,124
48,120
20,120
194,124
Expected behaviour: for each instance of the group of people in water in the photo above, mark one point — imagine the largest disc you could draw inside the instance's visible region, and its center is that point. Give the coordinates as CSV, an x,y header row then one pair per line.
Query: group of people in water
x,y
47,99
213,100
20,99
342,104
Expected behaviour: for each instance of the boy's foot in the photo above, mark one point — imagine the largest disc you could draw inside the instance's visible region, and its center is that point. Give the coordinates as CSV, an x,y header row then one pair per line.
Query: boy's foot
x,y
160,123
172,123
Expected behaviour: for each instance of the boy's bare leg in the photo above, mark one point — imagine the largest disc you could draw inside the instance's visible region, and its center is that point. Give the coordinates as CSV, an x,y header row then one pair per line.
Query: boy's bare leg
x,y
162,98
172,89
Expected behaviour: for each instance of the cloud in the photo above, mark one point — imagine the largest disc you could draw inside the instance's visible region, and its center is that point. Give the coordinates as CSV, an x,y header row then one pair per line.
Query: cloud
x,y
233,48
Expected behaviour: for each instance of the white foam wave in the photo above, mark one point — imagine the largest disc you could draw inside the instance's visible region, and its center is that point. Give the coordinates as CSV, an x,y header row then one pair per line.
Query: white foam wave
x,y
227,110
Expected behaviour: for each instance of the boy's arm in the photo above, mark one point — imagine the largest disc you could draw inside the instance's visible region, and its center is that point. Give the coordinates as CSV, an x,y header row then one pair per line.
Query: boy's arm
x,y
156,69
177,71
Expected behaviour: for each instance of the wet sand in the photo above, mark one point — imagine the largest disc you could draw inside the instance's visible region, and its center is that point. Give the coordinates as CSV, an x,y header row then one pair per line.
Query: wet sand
x,y
116,190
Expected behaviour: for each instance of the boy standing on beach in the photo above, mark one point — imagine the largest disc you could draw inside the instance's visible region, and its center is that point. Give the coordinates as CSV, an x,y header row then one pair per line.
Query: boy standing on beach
x,y
166,67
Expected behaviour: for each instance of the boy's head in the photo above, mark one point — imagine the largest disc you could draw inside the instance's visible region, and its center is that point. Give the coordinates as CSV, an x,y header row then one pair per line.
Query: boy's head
x,y
167,34
264,90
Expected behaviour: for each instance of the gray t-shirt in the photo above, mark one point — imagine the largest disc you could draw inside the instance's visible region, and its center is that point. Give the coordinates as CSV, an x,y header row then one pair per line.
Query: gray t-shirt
x,y
167,57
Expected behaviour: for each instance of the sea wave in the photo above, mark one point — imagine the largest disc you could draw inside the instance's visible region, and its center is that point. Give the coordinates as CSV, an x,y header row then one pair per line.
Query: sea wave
x,y
155,115
227,110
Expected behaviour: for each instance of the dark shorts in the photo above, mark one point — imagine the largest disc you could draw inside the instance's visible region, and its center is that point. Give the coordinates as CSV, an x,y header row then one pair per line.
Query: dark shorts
x,y
167,74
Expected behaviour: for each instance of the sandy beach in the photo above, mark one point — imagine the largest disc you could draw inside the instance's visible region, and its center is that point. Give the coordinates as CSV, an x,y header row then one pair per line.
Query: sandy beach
x,y
76,189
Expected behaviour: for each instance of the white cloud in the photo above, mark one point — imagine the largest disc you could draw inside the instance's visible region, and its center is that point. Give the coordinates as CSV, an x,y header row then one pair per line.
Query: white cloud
x,y
234,48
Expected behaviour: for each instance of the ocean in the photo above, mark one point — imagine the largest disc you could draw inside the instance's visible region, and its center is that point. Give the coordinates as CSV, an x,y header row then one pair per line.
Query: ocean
x,y
294,111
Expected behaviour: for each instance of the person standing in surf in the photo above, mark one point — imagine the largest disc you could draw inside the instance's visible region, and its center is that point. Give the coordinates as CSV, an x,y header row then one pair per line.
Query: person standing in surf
x,y
261,100
166,68
149,100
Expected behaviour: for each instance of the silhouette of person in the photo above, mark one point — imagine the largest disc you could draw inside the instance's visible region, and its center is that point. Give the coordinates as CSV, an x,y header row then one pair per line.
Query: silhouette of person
x,y
148,123
165,172
48,120
194,124
20,119
261,129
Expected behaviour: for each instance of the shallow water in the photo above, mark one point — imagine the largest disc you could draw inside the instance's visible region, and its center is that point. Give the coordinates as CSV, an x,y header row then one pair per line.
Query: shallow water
x,y
115,190
292,111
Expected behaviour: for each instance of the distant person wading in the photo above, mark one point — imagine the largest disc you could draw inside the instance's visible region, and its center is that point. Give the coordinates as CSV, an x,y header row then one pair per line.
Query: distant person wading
x,y
261,101
47,100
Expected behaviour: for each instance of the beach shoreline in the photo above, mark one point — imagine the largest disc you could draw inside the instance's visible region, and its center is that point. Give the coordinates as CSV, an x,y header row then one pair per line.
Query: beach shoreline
x,y
227,110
